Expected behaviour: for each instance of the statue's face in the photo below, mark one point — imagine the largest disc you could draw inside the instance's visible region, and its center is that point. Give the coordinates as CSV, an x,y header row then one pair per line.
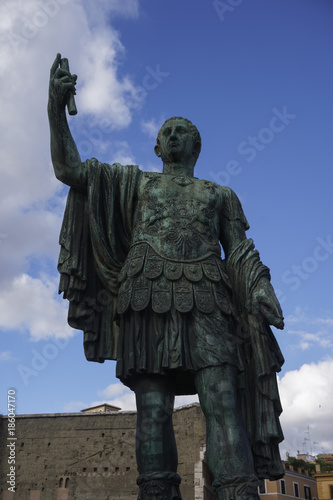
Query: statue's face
x,y
176,141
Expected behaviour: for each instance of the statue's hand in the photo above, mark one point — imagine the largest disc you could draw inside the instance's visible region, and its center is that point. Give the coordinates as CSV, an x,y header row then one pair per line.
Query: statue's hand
x,y
265,302
61,82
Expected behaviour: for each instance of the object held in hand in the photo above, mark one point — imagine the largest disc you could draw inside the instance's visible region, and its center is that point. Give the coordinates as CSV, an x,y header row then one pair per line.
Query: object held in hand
x,y
71,106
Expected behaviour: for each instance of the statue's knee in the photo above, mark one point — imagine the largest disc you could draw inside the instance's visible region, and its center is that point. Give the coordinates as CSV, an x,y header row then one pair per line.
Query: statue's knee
x,y
228,401
217,391
219,402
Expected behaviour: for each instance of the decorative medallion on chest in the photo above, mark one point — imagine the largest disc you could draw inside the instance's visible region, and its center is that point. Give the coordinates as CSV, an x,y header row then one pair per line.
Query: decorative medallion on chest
x,y
182,180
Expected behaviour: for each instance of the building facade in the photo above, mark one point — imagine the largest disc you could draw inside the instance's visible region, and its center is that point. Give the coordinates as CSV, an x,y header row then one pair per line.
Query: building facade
x,y
325,479
295,484
325,485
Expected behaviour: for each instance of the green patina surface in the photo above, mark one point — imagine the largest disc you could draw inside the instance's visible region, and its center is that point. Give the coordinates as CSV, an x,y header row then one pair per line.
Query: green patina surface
x,y
142,268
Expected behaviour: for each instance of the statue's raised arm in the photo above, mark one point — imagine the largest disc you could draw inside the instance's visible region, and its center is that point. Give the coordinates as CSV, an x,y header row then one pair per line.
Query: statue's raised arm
x,y
65,156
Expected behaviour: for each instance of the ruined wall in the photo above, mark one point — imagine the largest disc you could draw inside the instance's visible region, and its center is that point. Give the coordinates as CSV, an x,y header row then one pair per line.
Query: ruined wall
x,y
90,456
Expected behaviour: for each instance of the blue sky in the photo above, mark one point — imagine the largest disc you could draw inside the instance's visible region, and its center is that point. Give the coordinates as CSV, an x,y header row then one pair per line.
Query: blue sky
x,y
256,79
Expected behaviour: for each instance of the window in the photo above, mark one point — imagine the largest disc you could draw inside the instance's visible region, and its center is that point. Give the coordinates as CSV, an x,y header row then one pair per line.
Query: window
x,y
331,489
282,486
262,486
296,490
307,492
66,482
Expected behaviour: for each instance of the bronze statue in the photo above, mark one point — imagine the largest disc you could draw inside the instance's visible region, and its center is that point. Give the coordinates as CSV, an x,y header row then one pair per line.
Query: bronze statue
x,y
141,266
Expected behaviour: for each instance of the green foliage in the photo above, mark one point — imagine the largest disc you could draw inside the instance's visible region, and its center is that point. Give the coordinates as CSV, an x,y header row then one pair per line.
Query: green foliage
x,y
311,467
301,464
324,466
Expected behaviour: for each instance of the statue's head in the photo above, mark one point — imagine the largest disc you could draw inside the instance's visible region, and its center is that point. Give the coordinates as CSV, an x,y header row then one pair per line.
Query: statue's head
x,y
178,140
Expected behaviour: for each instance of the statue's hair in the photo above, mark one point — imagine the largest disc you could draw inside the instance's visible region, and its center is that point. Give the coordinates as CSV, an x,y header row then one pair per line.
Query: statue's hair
x,y
193,130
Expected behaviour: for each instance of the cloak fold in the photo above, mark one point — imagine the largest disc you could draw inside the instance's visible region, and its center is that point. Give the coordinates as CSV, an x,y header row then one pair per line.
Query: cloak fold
x,y
262,359
95,240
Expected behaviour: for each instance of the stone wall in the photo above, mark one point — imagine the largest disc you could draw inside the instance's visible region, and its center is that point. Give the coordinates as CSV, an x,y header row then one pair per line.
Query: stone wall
x,y
89,456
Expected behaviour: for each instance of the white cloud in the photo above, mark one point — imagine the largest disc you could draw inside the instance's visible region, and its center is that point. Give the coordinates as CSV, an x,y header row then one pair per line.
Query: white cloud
x,y
121,396
104,94
32,304
30,233
94,52
31,199
311,330
75,406
108,9
186,400
152,167
304,345
307,400
113,390
321,338
122,154
125,401
151,127
6,356
117,395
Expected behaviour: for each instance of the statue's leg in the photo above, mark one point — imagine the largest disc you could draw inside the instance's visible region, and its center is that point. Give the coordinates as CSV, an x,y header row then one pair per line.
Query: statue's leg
x,y
228,450
156,450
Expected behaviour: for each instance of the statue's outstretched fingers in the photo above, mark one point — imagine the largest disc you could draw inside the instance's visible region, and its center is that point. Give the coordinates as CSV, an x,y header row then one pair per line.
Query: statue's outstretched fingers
x,y
55,64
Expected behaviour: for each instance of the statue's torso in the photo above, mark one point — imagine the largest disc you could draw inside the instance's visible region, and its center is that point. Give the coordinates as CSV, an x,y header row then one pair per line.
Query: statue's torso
x,y
178,216
175,255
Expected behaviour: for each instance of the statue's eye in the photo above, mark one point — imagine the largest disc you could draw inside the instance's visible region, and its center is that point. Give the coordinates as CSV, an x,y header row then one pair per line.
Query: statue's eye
x,y
167,131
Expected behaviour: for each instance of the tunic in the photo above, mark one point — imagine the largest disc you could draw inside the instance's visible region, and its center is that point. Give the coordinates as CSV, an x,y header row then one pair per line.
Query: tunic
x,y
174,302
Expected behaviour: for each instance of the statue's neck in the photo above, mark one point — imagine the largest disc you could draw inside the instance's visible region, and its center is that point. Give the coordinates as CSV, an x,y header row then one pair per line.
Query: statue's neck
x,y
178,169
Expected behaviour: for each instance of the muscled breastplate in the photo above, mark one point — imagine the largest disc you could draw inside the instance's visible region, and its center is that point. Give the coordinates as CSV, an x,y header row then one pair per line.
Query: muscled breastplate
x,y
177,216
175,255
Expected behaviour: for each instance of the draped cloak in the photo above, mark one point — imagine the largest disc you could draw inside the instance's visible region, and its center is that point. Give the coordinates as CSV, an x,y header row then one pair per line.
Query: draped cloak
x,y
95,240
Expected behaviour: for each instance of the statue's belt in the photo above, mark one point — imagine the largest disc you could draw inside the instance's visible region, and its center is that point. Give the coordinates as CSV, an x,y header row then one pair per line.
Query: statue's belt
x,y
147,278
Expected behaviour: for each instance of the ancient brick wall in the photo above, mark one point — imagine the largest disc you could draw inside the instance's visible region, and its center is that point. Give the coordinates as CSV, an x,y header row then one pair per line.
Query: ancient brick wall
x,y
89,456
